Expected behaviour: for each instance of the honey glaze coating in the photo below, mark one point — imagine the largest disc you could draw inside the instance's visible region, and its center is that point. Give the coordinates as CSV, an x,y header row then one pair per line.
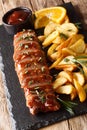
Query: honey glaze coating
x,y
33,73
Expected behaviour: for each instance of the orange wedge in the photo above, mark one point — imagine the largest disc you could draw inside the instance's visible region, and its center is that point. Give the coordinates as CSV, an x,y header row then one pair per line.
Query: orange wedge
x,y
56,14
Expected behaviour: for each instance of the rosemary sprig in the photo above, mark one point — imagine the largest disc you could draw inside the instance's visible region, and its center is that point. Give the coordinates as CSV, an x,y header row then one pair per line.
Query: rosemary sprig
x,y
68,105
78,61
81,56
78,25
41,95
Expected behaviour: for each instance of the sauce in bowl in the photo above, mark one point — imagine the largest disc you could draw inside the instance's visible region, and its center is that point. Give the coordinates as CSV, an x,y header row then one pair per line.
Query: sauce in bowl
x,y
17,17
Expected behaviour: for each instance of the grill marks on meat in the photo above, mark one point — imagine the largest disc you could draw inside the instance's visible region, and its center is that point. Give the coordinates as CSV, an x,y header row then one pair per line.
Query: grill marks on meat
x,y
33,73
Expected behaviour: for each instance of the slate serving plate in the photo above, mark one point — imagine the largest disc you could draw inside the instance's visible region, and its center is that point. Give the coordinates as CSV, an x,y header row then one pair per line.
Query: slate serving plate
x,y
24,120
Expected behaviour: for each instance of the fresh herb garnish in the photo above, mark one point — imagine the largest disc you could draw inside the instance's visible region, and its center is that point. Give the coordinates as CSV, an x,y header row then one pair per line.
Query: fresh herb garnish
x,y
25,37
25,52
30,82
21,44
78,61
68,105
26,46
42,98
43,68
81,56
27,65
40,59
78,25
64,36
41,95
36,88
26,72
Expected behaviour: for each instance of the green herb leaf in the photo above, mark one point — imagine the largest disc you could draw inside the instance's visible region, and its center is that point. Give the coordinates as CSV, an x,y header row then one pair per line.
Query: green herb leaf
x,y
30,82
81,56
68,105
41,95
36,88
64,36
78,25
78,61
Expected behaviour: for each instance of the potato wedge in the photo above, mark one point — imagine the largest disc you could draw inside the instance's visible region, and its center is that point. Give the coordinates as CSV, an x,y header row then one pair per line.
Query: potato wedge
x,y
59,82
80,90
67,74
51,26
66,67
86,49
85,87
55,64
50,38
68,29
67,51
55,55
51,49
65,89
85,71
75,38
58,40
79,77
67,62
41,38
64,44
73,95
79,46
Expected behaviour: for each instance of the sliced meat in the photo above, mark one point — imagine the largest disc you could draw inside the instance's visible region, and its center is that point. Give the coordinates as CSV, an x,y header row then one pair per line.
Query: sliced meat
x,y
33,73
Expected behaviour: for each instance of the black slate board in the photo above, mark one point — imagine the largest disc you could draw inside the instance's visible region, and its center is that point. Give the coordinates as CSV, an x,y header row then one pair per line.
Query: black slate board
x,y
24,120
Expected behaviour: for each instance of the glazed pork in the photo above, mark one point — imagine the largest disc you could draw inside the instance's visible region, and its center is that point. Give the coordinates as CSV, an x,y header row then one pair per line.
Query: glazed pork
x,y
33,73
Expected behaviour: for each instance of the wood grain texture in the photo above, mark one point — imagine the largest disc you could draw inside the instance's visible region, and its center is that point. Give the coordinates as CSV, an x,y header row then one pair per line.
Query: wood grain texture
x,y
1,12
38,4
78,123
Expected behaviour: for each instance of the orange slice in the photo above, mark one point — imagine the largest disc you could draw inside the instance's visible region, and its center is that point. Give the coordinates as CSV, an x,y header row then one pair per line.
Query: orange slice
x,y
56,14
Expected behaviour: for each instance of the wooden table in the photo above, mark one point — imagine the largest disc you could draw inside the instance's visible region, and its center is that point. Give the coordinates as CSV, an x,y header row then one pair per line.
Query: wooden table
x,y
78,123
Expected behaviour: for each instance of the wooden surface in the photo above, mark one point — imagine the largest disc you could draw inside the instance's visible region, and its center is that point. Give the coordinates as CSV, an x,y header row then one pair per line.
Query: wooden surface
x,y
78,123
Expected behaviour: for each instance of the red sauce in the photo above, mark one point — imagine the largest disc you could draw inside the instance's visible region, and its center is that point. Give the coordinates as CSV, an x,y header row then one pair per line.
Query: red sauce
x,y
17,17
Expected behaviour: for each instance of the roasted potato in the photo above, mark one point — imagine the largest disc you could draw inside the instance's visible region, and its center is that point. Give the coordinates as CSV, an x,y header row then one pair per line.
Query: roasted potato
x,y
67,74
79,46
55,64
41,38
65,89
80,90
65,46
79,77
66,52
59,82
75,38
51,26
48,40
51,49
68,29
